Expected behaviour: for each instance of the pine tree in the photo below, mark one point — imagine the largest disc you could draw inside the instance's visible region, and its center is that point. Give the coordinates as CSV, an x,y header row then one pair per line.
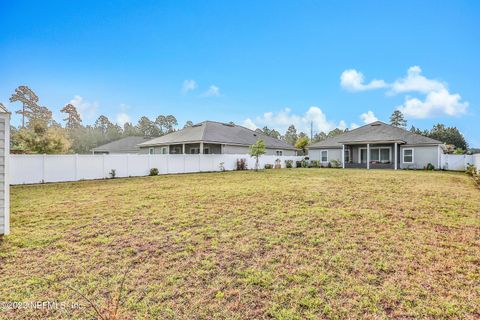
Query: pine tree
x,y
73,120
291,135
398,120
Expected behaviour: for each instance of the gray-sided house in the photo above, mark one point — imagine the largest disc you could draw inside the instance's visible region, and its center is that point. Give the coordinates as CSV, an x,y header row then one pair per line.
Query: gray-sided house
x,y
378,146
124,145
210,137
4,169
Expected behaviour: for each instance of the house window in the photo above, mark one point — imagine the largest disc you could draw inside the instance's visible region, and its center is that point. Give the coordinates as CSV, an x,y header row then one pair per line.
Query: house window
x,y
347,155
407,155
151,150
279,153
163,150
206,150
381,154
194,150
324,155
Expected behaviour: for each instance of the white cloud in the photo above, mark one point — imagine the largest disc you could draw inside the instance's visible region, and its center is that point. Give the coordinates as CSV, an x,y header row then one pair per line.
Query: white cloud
x,y
354,126
438,100
188,85
248,123
352,80
281,120
368,117
213,91
436,103
122,118
87,109
415,82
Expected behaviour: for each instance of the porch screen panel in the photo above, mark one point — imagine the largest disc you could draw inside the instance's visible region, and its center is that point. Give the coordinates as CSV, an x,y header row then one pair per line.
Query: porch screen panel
x,y
384,154
374,155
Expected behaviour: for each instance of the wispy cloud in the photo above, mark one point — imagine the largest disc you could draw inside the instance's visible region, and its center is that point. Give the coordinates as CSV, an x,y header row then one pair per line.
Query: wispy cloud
x,y
283,119
188,85
213,91
86,109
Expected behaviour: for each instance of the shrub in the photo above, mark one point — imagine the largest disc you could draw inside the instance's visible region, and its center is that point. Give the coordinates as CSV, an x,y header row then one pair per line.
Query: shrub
x,y
430,166
113,173
335,164
154,172
221,166
304,163
241,164
314,164
288,163
268,166
298,164
471,170
278,164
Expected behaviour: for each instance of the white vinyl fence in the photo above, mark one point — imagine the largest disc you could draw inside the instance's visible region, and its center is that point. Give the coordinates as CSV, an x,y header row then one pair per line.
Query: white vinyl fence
x,y
459,162
56,168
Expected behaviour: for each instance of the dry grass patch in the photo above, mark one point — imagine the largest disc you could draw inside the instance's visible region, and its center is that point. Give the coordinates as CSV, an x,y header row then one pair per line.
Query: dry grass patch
x,y
283,244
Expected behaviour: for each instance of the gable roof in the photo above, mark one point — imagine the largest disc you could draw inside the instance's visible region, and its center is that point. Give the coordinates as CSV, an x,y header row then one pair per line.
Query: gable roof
x,y
123,145
375,132
217,132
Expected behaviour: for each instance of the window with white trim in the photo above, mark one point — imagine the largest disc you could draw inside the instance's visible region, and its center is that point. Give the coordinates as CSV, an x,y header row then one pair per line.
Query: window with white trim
x,y
407,156
206,150
324,155
163,150
279,153
194,150
151,150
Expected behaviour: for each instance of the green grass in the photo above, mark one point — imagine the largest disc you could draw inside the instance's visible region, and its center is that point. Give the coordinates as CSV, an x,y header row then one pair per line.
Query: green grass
x,y
283,244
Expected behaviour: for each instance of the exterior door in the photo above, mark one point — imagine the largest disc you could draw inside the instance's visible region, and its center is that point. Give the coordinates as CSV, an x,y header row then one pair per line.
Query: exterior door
x,y
363,155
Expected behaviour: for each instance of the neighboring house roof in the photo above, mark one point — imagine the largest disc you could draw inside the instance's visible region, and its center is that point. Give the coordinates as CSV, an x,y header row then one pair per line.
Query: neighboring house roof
x,y
217,132
376,132
124,145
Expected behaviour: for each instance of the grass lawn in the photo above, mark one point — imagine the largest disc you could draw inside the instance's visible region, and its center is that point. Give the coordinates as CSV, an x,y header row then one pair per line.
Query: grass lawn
x,y
283,244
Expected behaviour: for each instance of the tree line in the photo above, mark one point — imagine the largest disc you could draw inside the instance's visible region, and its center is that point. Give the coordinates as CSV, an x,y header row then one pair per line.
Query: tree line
x,y
40,133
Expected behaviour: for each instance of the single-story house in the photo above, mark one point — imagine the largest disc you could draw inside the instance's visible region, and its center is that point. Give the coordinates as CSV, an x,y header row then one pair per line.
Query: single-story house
x,y
378,146
210,137
123,145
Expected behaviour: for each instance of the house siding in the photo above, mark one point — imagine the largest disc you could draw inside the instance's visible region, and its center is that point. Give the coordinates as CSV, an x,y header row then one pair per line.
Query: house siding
x,y
4,185
227,149
423,155
333,154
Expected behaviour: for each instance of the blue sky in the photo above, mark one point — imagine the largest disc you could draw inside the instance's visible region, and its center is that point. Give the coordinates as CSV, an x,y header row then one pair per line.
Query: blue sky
x,y
252,62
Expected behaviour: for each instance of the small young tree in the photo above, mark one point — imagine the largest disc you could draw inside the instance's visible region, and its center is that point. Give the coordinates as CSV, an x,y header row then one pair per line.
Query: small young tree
x,y
302,143
256,150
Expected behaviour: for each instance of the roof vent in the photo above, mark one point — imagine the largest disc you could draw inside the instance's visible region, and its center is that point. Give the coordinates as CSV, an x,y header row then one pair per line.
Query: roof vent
x,y
197,125
228,124
254,134
375,124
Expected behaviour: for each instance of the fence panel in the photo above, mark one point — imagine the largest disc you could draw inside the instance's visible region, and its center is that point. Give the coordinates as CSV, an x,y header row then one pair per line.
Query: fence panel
x,y
456,162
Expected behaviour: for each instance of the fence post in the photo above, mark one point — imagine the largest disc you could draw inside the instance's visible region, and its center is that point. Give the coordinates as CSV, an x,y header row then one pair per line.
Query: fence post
x,y
128,167
76,166
43,167
103,166
5,210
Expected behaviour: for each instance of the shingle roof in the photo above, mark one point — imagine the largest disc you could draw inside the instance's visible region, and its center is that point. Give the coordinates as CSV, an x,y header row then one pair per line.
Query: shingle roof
x,y
217,132
375,132
124,145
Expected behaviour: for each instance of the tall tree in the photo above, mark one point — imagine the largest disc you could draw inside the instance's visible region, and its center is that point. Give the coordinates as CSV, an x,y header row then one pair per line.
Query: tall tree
x,y
188,124
29,100
319,137
271,132
147,127
102,124
448,135
73,119
130,130
39,138
291,135
171,123
398,120
335,132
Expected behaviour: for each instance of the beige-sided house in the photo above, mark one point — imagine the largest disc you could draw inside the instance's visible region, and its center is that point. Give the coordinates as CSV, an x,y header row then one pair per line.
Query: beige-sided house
x,y
378,146
210,137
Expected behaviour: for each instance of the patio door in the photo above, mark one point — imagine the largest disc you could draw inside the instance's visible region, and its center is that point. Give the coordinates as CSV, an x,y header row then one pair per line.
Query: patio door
x,y
363,155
